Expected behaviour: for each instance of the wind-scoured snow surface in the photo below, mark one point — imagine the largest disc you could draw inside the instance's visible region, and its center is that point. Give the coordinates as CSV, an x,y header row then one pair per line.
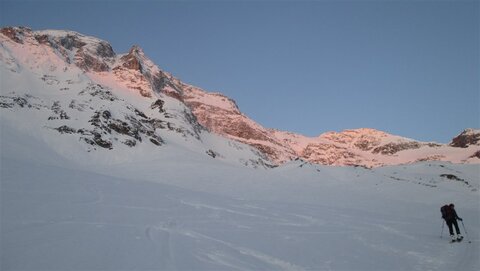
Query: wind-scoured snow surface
x,y
188,212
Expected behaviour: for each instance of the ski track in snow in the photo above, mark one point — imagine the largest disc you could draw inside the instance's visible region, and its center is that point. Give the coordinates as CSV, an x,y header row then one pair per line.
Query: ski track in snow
x,y
136,225
274,262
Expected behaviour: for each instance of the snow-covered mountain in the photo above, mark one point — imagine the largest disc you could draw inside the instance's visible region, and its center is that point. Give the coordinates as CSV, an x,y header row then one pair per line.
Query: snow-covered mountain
x,y
109,163
75,90
90,104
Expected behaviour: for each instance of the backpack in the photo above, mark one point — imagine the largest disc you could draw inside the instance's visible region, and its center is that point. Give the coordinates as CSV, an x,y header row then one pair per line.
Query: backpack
x,y
446,211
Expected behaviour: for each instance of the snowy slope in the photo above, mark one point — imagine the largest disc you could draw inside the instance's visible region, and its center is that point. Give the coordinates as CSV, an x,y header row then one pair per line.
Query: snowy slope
x,y
185,211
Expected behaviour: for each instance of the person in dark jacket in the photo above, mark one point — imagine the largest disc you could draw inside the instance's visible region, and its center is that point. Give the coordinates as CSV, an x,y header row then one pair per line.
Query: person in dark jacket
x,y
451,217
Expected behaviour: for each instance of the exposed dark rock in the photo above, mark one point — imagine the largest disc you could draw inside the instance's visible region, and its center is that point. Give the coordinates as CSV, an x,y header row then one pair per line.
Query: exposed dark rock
x,y
140,113
47,40
453,178
465,139
10,102
58,111
160,81
64,129
96,121
158,104
212,153
476,155
27,101
361,166
63,115
4,104
105,50
392,148
87,62
88,140
105,123
71,41
130,60
450,177
43,39
192,120
437,157
20,101
157,124
78,106
154,141
84,132
95,64
15,34
84,59
97,140
50,79
433,145
97,90
101,142
124,128
106,114
130,142
367,143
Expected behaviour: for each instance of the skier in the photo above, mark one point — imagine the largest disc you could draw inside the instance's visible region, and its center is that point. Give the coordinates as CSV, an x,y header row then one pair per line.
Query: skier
x,y
450,216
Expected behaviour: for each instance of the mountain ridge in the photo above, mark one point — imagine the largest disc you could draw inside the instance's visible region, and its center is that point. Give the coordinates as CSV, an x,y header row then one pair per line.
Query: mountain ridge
x,y
54,51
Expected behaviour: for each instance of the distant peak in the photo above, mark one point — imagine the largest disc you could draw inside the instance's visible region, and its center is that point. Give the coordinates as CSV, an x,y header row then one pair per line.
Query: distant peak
x,y
467,138
137,50
16,29
131,60
16,33
471,131
363,131
356,132
66,35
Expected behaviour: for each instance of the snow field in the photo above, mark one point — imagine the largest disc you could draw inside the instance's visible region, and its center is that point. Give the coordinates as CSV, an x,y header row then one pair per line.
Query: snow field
x,y
292,218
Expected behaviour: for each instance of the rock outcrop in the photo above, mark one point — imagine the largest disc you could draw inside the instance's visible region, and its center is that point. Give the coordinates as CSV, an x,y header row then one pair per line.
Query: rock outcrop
x,y
469,137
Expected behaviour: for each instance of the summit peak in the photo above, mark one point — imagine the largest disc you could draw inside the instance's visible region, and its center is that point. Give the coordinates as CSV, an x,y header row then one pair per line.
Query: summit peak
x,y
136,49
131,60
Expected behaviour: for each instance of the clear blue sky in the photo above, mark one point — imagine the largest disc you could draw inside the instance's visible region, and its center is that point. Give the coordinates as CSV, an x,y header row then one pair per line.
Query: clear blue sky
x,y
410,68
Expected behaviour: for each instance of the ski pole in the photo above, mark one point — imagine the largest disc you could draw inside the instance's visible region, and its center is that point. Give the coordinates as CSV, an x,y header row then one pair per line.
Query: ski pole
x,y
466,233
443,225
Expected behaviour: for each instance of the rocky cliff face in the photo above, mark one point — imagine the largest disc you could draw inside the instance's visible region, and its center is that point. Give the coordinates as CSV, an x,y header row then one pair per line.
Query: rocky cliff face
x,y
469,137
62,53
